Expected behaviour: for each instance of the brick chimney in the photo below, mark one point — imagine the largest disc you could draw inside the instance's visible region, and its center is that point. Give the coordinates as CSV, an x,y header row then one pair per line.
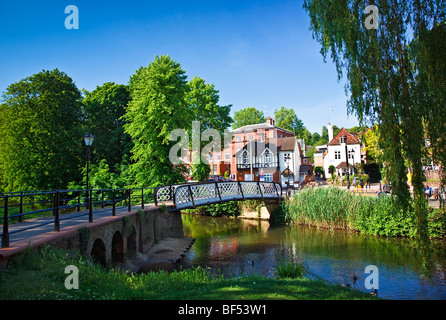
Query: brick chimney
x,y
330,132
270,120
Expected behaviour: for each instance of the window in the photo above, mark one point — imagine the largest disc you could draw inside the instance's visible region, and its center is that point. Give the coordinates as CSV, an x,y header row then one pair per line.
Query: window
x,y
210,156
351,154
269,177
337,154
286,157
238,138
343,139
245,158
250,137
218,156
262,136
227,155
268,157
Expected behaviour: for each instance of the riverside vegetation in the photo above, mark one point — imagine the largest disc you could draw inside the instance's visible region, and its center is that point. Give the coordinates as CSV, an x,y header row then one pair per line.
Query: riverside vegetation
x,y
336,208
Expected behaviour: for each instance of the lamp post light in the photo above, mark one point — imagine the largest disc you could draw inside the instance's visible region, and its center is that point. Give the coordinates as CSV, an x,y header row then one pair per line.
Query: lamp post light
x,y
88,142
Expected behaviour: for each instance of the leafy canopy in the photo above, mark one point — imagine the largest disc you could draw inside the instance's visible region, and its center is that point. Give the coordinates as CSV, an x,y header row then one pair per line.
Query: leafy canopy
x,y
248,116
158,106
40,133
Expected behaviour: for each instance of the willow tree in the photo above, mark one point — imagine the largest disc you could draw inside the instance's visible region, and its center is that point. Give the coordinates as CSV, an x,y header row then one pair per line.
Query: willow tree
x,y
372,48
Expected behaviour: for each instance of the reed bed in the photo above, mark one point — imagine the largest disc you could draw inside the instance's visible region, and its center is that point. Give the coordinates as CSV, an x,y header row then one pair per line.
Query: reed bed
x,y
336,208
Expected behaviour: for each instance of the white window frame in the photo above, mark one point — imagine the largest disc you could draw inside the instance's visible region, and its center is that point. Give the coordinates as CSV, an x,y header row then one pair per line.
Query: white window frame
x,y
264,157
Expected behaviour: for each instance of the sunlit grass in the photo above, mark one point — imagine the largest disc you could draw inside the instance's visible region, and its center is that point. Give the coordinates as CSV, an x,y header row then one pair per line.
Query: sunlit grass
x,y
40,275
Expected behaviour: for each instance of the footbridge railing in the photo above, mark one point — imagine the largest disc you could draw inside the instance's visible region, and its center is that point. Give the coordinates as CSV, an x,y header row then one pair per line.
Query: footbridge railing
x,y
185,196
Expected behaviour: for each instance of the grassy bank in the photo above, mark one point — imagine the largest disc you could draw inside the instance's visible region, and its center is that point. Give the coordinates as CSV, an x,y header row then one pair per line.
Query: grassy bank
x,y
337,208
40,275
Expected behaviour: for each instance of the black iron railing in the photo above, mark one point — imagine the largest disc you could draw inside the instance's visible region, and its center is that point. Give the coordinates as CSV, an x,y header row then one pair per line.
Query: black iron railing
x,y
16,206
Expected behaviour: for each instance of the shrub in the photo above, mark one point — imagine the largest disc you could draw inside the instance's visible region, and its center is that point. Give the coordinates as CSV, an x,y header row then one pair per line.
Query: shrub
x,y
292,269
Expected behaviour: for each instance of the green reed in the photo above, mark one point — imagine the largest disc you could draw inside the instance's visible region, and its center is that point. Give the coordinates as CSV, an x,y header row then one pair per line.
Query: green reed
x,y
340,209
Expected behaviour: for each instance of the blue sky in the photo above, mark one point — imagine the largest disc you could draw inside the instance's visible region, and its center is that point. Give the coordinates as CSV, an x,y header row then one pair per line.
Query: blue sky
x,y
257,53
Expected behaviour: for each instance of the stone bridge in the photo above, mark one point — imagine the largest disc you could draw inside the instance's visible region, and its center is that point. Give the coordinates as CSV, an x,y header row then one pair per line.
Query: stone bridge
x,y
112,235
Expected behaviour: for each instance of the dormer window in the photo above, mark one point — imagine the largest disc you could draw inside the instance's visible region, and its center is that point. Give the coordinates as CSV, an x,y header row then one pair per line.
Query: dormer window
x,y
268,158
245,157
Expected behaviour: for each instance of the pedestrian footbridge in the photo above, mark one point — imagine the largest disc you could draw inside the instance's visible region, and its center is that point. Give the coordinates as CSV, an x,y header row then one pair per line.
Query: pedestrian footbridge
x,y
186,196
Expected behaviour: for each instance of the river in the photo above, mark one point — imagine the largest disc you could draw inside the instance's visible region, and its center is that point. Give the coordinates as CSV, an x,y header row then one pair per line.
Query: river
x,y
234,247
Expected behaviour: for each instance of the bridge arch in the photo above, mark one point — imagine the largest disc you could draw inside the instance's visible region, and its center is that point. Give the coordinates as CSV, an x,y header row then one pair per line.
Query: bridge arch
x,y
99,252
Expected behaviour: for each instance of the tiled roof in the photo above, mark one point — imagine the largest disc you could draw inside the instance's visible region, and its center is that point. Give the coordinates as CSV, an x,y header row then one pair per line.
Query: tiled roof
x,y
343,164
352,138
285,144
279,144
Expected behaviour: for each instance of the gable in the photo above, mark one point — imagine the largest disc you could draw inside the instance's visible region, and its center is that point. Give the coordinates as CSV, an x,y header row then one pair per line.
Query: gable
x,y
352,138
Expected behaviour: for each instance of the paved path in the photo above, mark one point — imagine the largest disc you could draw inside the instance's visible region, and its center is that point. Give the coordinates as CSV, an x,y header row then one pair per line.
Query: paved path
x,y
28,229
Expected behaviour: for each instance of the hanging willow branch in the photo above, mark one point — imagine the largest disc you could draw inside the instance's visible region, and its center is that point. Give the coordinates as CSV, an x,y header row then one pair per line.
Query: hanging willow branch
x,y
396,79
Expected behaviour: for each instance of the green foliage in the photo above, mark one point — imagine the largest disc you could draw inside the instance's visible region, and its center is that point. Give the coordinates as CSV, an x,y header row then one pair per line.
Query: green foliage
x,y
40,133
127,226
101,177
336,208
395,79
104,109
158,106
287,119
201,171
291,269
247,116
225,209
203,99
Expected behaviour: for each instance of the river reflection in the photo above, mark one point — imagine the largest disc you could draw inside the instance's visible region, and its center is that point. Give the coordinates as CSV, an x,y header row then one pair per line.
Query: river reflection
x,y
234,247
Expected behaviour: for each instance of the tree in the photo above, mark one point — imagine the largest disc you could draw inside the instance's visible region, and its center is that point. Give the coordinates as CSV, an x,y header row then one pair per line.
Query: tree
x,y
104,109
429,52
287,119
383,80
247,116
203,101
41,136
371,145
158,106
201,171
315,138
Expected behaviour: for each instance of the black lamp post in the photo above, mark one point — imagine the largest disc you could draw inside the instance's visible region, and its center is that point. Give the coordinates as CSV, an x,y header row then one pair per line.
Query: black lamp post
x,y
346,161
287,158
88,142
